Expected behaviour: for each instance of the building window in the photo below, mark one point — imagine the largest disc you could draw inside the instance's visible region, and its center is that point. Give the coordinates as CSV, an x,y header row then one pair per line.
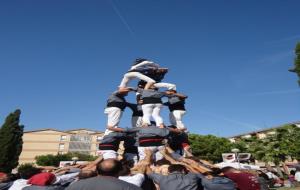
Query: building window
x,y
61,146
63,138
80,143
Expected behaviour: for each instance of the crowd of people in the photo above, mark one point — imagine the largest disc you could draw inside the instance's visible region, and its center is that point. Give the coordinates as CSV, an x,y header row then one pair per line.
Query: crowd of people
x,y
155,156
171,172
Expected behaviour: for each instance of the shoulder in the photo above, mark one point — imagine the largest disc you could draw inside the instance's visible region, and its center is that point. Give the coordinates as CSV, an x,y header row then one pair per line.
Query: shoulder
x,y
84,182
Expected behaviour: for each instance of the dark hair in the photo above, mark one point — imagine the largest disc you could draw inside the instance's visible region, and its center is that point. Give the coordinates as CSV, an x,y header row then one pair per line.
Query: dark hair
x,y
177,168
162,162
138,60
227,169
153,123
215,171
292,172
125,170
111,170
141,84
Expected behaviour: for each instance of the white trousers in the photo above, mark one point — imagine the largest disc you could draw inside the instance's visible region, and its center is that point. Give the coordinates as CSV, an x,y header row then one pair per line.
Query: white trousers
x,y
136,121
154,111
107,154
114,115
176,118
155,149
131,75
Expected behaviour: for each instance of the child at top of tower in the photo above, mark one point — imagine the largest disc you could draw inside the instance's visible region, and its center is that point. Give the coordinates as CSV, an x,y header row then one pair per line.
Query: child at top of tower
x,y
147,71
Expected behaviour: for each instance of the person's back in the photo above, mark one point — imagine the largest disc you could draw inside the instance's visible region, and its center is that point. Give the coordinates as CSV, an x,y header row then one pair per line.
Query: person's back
x,y
243,180
107,179
102,182
36,187
177,179
219,183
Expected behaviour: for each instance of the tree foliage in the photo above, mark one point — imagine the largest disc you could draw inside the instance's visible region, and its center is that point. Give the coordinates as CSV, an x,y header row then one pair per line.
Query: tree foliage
x,y
53,160
27,170
11,142
276,147
296,68
209,147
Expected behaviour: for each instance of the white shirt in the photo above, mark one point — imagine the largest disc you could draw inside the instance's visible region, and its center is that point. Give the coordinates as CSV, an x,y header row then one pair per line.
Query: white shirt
x,y
19,184
297,176
136,179
63,179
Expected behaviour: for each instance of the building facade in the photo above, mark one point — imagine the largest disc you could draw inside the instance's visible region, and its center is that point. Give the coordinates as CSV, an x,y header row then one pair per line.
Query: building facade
x,y
52,141
261,133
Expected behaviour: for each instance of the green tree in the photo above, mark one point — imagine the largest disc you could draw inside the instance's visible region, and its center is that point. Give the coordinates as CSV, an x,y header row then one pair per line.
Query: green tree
x,y
209,147
53,160
11,142
296,68
277,147
27,170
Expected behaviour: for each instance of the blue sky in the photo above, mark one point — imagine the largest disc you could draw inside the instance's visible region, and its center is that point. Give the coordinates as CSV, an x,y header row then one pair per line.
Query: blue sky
x,y
59,60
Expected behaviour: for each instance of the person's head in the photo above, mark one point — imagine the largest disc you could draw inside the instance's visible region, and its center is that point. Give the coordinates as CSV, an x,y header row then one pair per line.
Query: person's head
x,y
125,171
141,84
138,60
292,172
109,167
3,177
177,168
216,172
228,169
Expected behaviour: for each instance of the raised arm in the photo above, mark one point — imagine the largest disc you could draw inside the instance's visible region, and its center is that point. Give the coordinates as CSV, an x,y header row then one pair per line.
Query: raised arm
x,y
145,63
116,129
92,165
141,166
181,95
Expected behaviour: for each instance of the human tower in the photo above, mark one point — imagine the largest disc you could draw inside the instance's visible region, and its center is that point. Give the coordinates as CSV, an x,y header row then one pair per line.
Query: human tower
x,y
148,130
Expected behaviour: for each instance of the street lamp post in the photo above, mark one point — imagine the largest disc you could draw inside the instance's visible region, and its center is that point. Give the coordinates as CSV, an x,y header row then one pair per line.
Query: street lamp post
x,y
236,152
74,159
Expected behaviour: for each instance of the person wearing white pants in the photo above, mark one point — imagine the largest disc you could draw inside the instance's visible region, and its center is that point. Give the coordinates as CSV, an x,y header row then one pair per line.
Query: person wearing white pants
x,y
155,149
137,114
109,145
176,118
153,138
147,71
116,104
151,106
176,104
